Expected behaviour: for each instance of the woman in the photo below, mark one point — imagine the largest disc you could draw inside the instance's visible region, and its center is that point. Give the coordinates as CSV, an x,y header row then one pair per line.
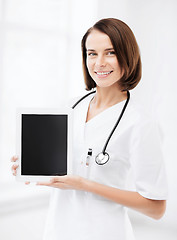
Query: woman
x,y
94,205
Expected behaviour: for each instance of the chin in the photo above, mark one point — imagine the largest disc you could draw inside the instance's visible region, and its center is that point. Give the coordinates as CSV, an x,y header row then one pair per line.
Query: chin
x,y
106,84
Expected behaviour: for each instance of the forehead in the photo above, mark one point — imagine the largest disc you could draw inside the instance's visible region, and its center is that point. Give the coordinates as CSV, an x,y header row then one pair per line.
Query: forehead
x,y
97,40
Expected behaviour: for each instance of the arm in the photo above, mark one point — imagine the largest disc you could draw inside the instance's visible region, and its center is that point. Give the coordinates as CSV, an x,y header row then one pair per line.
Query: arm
x,y
151,208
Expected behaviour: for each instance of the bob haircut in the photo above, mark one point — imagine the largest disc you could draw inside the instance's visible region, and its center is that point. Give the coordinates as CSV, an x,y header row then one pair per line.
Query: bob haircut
x,y
126,50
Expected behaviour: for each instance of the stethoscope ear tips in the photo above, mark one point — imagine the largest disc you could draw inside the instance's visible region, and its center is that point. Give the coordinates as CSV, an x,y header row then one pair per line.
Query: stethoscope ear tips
x,y
102,158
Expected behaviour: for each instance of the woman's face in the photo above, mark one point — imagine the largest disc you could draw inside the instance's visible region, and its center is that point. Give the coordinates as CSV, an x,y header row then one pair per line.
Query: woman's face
x,y
102,62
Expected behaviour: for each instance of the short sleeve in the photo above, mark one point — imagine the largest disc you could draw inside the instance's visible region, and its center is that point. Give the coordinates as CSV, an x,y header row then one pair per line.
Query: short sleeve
x,y
147,161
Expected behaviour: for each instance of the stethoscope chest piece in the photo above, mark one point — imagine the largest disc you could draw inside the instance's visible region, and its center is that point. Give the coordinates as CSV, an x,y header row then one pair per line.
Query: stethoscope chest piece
x,y
102,158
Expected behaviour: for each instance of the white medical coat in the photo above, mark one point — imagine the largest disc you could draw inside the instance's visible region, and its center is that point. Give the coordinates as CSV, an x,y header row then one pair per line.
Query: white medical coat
x,y
134,145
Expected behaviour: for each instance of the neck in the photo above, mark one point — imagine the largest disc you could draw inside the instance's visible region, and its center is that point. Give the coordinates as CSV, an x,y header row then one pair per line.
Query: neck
x,y
108,97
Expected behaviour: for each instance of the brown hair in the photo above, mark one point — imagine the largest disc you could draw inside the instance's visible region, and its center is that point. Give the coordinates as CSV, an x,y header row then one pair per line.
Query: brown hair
x,y
126,50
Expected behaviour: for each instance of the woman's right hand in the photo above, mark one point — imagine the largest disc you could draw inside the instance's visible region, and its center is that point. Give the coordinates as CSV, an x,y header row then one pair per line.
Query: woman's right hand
x,y
14,166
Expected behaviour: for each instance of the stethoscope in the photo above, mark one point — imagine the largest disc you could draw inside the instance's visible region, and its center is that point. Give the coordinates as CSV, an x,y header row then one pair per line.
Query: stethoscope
x,y
103,157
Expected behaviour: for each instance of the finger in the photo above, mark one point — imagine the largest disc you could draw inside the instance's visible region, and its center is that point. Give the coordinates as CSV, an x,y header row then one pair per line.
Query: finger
x,y
27,183
14,158
44,184
14,167
14,173
51,184
58,179
55,179
58,185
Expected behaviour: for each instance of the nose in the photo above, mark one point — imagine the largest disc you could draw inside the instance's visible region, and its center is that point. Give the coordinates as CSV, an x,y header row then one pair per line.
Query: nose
x,y
100,61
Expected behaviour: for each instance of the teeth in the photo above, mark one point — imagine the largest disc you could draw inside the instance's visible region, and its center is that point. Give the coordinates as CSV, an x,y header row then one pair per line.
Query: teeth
x,y
103,73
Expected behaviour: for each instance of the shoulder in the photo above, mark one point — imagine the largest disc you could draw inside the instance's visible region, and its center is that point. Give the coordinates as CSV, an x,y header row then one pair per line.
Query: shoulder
x,y
80,100
72,101
144,123
140,115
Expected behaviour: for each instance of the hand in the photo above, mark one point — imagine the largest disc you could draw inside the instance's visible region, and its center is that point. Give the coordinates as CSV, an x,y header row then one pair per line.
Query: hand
x,y
65,182
15,166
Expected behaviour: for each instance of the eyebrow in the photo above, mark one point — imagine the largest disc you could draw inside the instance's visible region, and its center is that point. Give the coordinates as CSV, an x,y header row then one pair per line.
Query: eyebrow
x,y
92,50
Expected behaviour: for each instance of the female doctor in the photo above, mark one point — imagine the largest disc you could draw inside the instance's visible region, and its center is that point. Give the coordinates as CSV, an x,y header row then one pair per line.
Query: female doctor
x,y
111,136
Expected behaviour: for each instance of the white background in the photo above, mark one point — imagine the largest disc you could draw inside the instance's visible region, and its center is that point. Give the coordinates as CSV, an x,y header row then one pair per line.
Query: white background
x,y
40,66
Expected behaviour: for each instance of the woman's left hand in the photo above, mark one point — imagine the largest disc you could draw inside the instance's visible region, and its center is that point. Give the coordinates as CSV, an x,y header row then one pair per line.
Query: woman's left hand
x,y
65,182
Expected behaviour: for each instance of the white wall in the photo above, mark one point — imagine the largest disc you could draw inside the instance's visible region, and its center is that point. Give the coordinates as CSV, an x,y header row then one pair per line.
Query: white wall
x,y
40,66
154,24
39,49
39,46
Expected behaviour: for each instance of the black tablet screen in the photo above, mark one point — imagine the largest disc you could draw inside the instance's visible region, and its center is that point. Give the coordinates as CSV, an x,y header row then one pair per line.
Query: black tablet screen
x,y
44,144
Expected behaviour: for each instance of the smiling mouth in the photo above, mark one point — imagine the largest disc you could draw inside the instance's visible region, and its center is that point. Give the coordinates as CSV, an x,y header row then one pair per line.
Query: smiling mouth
x,y
103,73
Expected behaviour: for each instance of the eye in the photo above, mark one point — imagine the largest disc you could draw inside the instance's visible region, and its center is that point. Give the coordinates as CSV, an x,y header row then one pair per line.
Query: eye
x,y
91,54
111,53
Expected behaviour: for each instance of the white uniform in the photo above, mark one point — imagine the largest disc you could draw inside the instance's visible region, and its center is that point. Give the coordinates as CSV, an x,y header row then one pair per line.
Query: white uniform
x,y
135,145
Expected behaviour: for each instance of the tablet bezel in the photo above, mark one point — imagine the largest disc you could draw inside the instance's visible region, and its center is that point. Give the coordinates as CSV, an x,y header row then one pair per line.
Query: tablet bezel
x,y
43,111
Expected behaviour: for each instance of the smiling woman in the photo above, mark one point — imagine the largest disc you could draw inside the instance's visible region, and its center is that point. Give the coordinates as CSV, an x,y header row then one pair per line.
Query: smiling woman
x,y
110,49
96,201
102,61
93,207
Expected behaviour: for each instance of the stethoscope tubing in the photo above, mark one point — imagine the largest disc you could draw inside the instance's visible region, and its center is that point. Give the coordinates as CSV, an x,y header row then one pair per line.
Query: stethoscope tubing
x,y
82,99
104,154
116,124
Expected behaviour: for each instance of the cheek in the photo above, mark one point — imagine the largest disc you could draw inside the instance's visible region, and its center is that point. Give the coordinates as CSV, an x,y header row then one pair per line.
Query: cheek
x,y
89,66
114,62
117,67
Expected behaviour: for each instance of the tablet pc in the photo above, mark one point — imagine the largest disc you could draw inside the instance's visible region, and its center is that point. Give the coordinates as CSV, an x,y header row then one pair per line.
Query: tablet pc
x,y
43,143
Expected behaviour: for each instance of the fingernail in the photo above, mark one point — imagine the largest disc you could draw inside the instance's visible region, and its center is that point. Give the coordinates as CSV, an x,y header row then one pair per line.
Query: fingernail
x,y
14,158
